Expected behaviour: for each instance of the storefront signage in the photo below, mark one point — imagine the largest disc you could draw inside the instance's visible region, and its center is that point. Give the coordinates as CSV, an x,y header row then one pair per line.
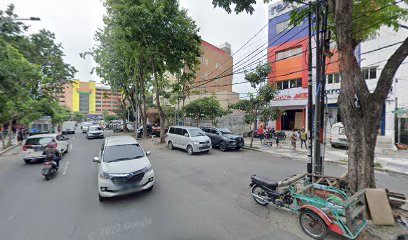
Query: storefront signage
x,y
333,91
301,96
274,10
282,97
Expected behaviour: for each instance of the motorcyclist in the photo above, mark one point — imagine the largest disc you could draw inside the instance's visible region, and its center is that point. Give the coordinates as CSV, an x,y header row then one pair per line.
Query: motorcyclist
x,y
52,154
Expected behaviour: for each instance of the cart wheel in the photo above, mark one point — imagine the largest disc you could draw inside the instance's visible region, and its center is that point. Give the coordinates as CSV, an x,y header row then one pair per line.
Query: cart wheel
x,y
261,193
313,225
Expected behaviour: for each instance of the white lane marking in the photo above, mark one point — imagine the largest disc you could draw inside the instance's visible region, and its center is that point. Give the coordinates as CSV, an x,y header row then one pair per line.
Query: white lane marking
x,y
65,169
70,146
73,138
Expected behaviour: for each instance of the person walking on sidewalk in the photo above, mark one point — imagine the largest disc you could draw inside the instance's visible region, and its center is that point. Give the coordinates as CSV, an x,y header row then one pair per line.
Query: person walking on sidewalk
x,y
277,143
293,139
303,138
261,133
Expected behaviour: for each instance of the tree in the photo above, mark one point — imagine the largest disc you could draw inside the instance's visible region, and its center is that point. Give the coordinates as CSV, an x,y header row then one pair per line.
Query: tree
x,y
207,107
257,105
353,21
78,117
107,117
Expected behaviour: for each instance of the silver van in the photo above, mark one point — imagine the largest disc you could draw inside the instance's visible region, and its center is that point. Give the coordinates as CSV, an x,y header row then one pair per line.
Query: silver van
x,y
191,139
338,136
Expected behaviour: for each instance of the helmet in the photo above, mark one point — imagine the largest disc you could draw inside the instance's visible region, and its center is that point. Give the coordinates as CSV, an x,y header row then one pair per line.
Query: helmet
x,y
50,145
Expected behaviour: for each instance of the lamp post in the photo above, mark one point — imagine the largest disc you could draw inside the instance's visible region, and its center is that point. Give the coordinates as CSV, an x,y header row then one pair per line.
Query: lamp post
x,y
19,19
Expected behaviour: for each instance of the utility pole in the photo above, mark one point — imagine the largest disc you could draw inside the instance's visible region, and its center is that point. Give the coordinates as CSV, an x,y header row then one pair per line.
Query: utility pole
x,y
320,87
310,97
316,137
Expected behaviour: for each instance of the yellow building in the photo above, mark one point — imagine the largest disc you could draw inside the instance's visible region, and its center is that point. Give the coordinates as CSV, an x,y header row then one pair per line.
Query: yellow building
x,y
80,97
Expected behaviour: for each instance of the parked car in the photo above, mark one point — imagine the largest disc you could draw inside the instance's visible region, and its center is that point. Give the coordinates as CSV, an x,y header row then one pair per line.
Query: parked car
x,y
191,139
94,131
123,167
151,130
35,145
338,136
41,126
68,127
224,138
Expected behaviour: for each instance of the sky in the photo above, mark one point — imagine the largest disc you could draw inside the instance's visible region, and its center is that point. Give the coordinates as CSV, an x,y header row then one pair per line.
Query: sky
x,y
74,23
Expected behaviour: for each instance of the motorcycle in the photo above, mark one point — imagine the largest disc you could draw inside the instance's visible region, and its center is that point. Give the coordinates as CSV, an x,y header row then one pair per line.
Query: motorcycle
x,y
264,192
49,169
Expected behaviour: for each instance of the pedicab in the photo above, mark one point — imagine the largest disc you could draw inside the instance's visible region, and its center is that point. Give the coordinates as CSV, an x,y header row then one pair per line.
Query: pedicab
x,y
321,208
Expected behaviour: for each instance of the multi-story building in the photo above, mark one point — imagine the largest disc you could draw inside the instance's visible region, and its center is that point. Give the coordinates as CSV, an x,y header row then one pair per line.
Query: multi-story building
x,y
214,74
89,98
288,57
106,99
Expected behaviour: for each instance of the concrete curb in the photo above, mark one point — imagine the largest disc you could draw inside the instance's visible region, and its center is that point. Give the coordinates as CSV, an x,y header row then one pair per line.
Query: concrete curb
x,y
8,149
341,163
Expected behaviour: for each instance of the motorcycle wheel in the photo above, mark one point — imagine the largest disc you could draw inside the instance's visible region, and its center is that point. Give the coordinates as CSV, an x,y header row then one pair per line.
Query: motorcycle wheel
x,y
261,193
312,224
47,177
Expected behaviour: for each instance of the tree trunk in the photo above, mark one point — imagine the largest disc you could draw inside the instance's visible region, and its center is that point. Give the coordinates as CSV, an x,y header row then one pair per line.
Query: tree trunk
x,y
360,109
10,133
161,112
143,111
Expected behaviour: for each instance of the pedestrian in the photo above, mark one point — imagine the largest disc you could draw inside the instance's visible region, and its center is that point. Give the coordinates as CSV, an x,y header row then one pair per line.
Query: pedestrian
x,y
303,138
261,133
293,139
20,136
277,143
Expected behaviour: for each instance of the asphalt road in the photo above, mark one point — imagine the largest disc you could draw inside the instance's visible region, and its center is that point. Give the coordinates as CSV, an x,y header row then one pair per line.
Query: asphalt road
x,y
195,197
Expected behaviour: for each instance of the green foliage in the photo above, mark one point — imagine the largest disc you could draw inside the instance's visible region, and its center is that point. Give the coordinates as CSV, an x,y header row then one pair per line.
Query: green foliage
x,y
78,117
207,107
107,117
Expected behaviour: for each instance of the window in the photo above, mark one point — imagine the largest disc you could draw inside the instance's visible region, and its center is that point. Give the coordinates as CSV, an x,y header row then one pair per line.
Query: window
x,y
288,53
282,26
214,131
195,132
333,78
293,83
122,152
178,131
370,73
184,132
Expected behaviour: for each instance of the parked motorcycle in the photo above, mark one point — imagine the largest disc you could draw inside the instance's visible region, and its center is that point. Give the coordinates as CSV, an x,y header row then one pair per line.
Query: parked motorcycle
x,y
264,192
49,169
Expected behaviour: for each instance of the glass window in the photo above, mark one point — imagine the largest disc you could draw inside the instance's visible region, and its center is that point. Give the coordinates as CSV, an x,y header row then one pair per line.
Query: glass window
x,y
370,73
195,132
171,130
178,131
336,78
279,85
285,85
329,78
288,53
214,131
38,141
282,26
299,82
122,152
184,132
225,131
373,73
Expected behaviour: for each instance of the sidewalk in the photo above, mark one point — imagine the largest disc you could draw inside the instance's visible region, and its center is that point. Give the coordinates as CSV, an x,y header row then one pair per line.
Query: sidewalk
x,y
14,144
391,160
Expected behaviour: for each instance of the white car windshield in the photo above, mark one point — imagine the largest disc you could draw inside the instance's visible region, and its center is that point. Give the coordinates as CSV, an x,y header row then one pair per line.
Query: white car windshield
x,y
122,152
97,128
225,131
196,132
39,141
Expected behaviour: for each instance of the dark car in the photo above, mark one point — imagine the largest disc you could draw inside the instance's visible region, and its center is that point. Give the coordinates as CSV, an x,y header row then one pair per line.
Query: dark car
x,y
223,138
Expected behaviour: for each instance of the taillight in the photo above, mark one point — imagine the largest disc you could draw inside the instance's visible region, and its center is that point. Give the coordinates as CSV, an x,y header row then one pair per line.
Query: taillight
x,y
25,147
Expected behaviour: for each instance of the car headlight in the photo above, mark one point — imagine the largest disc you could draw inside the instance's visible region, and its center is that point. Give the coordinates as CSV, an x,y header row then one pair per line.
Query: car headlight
x,y
196,142
148,168
104,175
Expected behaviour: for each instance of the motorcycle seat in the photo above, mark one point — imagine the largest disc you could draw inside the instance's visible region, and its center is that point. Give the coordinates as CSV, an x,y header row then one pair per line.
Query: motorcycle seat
x,y
265,182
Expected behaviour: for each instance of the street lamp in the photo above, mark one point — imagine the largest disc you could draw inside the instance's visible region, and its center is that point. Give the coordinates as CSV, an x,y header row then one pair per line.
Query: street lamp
x,y
20,19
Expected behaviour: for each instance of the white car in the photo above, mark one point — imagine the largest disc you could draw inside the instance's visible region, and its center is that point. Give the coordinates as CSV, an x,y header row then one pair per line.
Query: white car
x,y
338,136
85,127
35,145
68,127
191,139
94,131
123,167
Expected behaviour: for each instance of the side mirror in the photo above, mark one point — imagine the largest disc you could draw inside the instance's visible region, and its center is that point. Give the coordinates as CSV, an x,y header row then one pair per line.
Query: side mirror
x,y
148,153
96,159
185,134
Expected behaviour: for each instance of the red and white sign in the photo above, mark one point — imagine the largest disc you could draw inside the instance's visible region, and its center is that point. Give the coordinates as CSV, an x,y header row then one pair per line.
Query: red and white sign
x,y
282,97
